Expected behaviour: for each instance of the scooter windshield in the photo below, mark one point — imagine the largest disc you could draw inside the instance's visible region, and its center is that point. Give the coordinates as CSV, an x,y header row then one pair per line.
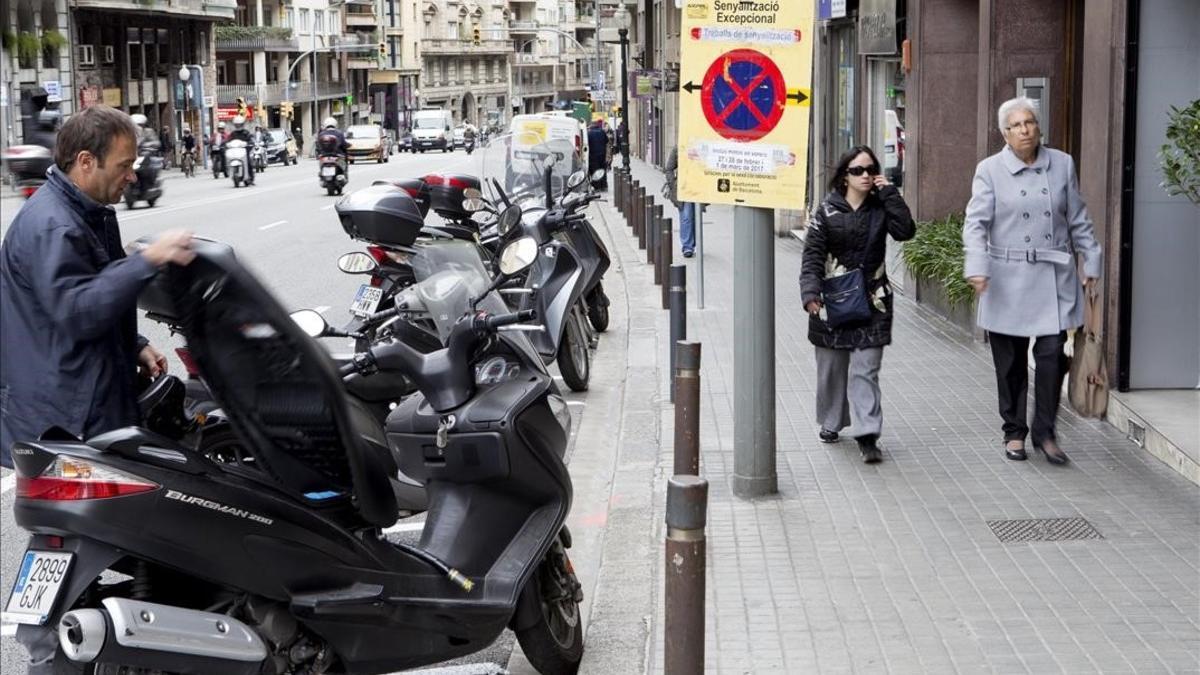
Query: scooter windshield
x,y
450,274
529,164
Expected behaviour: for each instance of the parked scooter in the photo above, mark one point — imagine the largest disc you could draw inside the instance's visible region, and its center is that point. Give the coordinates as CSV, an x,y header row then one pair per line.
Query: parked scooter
x,y
27,165
304,581
237,163
148,186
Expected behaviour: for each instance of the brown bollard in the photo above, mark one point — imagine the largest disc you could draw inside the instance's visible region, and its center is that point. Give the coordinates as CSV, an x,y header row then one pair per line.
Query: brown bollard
x,y
648,224
615,179
665,258
652,235
687,506
629,199
639,207
686,395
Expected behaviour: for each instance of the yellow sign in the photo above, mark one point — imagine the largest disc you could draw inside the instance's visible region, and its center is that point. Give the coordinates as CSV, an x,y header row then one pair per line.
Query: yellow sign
x,y
112,97
744,105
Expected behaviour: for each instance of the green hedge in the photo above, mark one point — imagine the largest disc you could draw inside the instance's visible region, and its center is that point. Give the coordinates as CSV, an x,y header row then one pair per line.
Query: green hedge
x,y
235,32
1180,155
935,256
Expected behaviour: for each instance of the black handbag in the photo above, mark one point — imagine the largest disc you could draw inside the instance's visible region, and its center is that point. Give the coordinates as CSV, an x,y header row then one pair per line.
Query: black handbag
x,y
845,298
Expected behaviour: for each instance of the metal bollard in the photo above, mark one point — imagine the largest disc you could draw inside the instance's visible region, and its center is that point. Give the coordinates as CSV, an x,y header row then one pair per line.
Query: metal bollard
x,y
656,218
686,396
665,258
639,216
687,504
648,224
677,288
629,198
615,177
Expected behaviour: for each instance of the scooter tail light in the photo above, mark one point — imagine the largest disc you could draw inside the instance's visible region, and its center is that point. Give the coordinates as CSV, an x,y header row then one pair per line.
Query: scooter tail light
x,y
28,191
74,479
189,363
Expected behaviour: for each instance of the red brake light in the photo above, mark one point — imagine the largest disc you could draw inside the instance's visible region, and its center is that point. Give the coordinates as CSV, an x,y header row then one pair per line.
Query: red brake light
x,y
72,479
448,181
28,191
379,253
189,364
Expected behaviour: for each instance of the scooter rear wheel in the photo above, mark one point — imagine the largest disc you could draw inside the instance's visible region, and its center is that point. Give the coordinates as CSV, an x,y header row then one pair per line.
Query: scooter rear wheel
x,y
574,357
554,645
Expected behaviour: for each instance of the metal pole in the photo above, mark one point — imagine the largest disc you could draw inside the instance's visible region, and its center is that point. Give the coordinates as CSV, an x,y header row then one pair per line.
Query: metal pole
x,y
686,396
754,359
687,504
654,239
648,227
623,138
665,258
316,127
639,213
678,293
698,219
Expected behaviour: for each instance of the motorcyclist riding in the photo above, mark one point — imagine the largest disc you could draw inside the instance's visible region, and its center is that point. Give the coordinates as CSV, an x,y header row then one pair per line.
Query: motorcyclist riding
x,y
241,133
217,149
148,142
331,142
469,137
46,133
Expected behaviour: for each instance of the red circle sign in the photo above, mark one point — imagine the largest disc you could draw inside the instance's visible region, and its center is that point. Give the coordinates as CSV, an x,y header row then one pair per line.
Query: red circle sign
x,y
743,95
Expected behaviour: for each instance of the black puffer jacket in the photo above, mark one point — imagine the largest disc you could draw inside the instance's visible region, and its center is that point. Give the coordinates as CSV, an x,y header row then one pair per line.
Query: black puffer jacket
x,y
854,239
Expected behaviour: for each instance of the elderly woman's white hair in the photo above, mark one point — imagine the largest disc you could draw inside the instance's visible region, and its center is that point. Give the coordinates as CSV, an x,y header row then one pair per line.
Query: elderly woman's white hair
x,y
1013,104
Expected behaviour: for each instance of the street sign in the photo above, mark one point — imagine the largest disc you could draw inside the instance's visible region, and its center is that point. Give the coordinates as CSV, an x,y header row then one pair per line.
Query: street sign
x,y
209,101
53,90
744,102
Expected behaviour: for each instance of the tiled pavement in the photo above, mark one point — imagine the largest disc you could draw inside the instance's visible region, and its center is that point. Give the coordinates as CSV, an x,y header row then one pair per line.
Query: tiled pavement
x,y
893,567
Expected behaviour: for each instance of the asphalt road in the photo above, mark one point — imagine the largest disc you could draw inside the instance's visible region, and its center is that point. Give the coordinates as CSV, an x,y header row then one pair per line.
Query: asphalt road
x,y
286,231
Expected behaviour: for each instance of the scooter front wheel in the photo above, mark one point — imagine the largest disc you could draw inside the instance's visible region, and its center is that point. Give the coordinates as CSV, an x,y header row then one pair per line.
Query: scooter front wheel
x,y
574,357
554,644
597,304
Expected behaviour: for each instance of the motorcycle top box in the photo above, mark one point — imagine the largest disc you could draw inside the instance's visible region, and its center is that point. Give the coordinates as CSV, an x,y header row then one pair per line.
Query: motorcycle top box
x,y
446,193
381,214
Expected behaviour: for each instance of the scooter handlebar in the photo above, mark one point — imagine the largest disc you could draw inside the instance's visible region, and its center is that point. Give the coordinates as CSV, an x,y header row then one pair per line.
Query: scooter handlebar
x,y
494,322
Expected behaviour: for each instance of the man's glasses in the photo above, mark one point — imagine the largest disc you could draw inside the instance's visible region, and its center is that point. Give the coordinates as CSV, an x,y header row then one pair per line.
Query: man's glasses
x,y
860,170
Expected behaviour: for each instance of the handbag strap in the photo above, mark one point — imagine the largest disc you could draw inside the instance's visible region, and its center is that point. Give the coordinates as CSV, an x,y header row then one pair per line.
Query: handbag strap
x,y
1093,320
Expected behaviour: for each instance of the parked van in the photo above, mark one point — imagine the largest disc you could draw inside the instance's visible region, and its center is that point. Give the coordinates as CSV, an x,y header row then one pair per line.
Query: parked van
x,y
893,147
432,130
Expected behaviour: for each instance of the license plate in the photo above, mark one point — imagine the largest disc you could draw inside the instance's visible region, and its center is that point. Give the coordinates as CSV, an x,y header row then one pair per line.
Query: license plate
x,y
38,583
328,170
366,300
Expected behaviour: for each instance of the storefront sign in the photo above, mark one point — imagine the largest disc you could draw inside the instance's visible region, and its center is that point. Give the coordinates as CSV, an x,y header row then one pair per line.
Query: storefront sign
x,y
641,85
53,90
227,113
877,27
831,9
744,104
112,97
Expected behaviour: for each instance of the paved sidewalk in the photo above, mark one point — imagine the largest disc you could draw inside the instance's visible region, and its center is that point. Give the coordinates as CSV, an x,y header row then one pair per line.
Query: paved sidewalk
x,y
891,567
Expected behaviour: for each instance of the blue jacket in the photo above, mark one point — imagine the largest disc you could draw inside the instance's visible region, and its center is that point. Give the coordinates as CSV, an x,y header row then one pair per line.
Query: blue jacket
x,y
68,318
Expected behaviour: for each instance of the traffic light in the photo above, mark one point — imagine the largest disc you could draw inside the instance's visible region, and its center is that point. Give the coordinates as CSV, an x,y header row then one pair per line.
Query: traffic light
x,y
383,52
349,99
476,37
286,109
242,109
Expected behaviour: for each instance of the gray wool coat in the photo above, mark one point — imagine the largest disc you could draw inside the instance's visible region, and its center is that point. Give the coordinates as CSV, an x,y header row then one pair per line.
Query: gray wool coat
x,y
1024,226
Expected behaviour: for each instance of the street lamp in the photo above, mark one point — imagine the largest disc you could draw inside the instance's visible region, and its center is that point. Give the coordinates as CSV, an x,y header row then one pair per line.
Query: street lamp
x,y
185,76
622,19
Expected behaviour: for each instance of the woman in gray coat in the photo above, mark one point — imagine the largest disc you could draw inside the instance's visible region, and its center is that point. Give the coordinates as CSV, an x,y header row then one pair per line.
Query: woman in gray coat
x,y
1025,224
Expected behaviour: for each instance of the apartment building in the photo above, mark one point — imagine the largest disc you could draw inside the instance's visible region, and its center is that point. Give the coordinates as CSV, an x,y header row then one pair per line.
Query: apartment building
x,y
464,57
35,70
393,85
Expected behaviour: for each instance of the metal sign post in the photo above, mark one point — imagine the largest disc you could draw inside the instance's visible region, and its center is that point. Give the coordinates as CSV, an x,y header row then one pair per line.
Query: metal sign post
x,y
743,140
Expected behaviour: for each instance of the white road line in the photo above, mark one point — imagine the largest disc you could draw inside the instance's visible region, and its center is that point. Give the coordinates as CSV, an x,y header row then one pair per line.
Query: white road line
x,y
274,224
327,207
8,629
578,403
322,309
8,483
405,527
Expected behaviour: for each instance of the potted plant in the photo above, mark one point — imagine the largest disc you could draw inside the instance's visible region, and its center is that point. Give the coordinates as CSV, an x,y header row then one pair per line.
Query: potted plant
x,y
28,46
934,258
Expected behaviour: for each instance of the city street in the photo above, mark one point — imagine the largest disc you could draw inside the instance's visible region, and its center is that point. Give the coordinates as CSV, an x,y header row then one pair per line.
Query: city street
x,y
284,229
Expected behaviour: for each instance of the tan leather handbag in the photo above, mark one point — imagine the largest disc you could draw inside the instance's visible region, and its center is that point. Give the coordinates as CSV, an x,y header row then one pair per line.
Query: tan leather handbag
x,y
1087,387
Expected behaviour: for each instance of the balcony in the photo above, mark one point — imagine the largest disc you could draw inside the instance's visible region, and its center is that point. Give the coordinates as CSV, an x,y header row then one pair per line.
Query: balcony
x,y
196,9
271,94
361,19
254,39
522,27
528,60
451,47
359,62
353,42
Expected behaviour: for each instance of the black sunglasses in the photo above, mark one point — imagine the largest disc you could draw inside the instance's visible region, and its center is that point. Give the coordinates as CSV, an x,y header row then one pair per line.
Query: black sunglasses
x,y
860,170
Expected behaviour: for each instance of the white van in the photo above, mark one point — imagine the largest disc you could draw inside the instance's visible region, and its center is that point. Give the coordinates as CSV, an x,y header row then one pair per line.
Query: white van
x,y
893,147
432,130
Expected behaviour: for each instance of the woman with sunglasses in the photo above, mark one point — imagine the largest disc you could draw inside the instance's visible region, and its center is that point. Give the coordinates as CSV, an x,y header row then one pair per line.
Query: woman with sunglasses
x,y
848,231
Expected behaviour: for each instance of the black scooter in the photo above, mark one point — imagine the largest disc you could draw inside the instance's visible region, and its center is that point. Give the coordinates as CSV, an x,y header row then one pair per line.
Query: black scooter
x,y
148,186
285,570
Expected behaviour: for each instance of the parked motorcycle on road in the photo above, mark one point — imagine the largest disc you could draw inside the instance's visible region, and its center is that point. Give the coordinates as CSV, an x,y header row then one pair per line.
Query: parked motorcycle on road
x,y
304,582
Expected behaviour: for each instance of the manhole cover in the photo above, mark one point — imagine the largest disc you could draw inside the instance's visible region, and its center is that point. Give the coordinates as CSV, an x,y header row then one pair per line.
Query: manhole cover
x,y
1043,529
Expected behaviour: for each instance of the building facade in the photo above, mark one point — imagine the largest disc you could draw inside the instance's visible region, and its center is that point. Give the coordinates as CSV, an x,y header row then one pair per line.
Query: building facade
x,y
393,85
35,65
464,56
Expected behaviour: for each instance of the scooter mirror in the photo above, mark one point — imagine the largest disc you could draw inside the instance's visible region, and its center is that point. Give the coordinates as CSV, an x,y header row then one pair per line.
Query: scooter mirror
x,y
598,175
518,255
509,219
576,180
310,322
357,263
473,205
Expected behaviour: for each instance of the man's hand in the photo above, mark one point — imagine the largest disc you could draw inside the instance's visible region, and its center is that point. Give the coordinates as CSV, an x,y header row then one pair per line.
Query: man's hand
x,y
151,362
978,283
172,246
813,307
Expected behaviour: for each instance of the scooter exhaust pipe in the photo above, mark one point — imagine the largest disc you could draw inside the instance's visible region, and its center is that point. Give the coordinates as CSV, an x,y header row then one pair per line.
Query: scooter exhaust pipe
x,y
149,635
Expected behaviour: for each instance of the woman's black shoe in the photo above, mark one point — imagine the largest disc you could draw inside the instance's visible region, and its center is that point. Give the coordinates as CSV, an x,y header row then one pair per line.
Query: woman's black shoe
x,y
1053,453
828,436
1015,454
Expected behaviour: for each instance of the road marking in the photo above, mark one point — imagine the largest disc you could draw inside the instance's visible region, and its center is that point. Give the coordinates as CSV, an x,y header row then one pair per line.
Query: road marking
x,y
327,207
405,527
274,224
8,483
578,403
8,629
322,309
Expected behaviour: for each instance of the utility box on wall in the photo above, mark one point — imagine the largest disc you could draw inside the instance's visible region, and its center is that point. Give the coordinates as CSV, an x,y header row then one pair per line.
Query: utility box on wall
x,y
1038,89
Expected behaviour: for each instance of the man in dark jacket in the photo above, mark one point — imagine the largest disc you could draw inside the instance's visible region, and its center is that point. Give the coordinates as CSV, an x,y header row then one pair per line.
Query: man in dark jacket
x,y
598,153
69,347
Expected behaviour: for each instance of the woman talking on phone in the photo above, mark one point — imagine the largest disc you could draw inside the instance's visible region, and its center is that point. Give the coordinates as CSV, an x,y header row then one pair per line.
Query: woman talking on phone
x,y
845,290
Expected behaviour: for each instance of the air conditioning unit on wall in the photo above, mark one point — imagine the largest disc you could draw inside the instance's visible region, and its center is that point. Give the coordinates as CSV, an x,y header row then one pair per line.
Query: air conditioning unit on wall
x,y
85,55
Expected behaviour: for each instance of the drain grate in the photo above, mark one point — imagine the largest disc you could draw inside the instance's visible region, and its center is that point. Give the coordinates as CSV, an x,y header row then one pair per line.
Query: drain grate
x,y
1043,529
